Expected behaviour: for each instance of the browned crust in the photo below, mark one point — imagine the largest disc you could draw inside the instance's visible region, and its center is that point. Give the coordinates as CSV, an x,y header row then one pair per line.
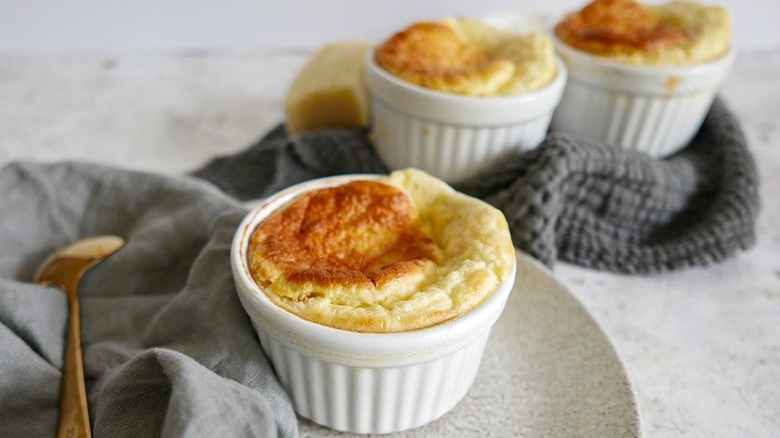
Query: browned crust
x,y
607,25
360,233
434,55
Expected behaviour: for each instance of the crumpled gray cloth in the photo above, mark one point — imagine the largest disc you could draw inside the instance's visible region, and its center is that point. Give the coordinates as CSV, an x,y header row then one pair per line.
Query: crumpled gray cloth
x,y
168,350
587,203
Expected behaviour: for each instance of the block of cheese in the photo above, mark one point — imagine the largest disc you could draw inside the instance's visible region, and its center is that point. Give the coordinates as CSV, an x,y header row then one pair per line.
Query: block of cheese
x,y
330,90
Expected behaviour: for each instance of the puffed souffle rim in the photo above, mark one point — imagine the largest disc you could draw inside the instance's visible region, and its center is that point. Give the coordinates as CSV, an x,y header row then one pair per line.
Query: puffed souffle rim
x,y
466,56
391,254
676,33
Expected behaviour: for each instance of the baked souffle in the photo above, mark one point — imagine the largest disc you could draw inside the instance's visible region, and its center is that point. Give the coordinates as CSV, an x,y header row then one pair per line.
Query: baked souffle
x,y
466,56
392,254
674,33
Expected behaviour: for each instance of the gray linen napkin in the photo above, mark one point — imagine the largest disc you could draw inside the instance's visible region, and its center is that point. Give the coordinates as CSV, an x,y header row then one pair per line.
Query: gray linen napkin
x,y
587,203
168,350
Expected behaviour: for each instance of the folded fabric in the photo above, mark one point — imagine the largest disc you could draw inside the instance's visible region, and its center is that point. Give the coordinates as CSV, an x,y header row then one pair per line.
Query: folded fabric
x,y
582,202
168,349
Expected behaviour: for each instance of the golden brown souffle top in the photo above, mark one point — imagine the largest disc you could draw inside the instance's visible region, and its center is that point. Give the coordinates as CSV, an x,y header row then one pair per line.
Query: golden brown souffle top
x,y
362,233
465,56
678,32
397,254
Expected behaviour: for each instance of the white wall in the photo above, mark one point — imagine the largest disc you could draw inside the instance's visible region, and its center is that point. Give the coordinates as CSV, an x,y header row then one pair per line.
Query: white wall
x,y
198,25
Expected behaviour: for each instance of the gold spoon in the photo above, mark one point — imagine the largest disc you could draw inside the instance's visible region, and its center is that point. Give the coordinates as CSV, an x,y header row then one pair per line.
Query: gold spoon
x,y
65,268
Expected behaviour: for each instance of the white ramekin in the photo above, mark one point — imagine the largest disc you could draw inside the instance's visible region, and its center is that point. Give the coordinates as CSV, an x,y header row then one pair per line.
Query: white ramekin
x,y
653,109
454,136
360,382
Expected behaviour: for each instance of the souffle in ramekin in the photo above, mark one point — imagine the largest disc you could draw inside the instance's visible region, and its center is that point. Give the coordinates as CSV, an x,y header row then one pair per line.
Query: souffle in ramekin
x,y
374,295
452,97
641,77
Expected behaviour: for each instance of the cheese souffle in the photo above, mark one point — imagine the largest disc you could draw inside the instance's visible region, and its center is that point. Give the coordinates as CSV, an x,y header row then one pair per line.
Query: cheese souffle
x,y
466,56
397,253
454,97
642,77
674,33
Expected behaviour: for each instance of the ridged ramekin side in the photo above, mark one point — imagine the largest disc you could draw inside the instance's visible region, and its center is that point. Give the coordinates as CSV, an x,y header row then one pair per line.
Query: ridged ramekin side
x,y
656,125
373,400
656,110
450,151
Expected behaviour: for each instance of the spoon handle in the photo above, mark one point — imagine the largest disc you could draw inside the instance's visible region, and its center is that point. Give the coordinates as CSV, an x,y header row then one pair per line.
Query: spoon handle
x,y
74,415
64,269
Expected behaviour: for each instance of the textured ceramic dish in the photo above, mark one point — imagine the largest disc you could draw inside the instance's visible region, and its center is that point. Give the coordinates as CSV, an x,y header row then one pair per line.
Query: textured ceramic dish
x,y
548,371
361,382
452,136
655,110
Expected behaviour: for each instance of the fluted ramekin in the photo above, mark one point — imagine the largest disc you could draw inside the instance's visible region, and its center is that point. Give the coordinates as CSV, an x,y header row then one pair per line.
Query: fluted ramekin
x,y
653,109
363,382
454,136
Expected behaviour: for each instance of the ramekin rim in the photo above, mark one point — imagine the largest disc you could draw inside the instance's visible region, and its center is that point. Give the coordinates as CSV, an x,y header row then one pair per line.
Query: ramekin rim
x,y
489,308
603,61
456,98
649,69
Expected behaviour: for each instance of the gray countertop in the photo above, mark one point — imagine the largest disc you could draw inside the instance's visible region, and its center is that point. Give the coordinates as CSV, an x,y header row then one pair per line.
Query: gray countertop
x,y
701,346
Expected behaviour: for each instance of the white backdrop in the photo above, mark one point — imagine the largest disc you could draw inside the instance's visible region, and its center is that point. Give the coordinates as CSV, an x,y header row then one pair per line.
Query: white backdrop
x,y
239,25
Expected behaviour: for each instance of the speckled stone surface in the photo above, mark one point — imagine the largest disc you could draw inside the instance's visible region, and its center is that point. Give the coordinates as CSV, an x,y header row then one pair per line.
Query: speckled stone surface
x,y
701,346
